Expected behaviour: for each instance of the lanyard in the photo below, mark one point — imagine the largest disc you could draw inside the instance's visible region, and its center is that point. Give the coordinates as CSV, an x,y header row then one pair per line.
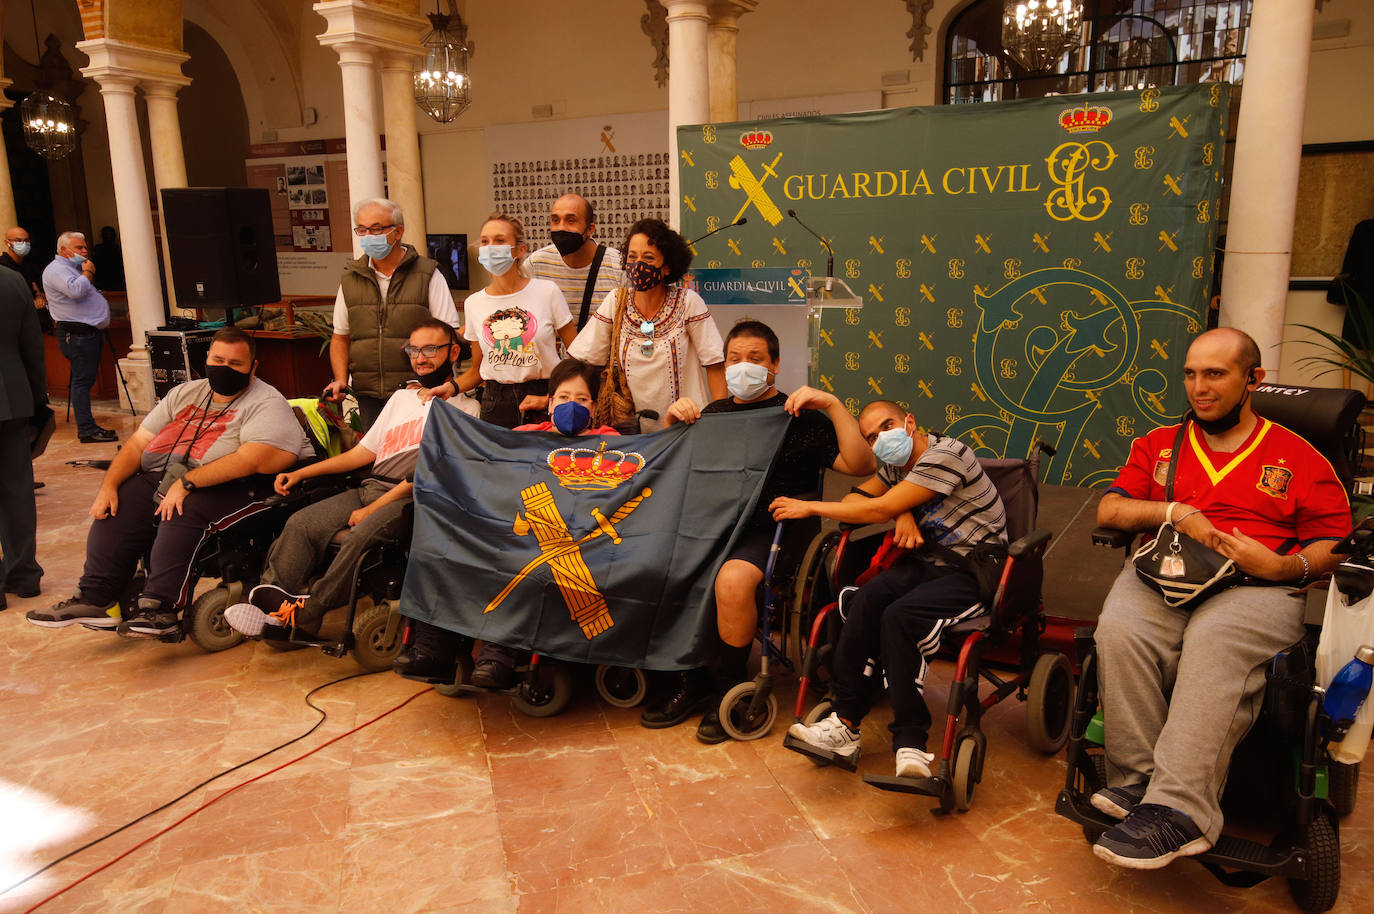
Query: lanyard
x,y
205,420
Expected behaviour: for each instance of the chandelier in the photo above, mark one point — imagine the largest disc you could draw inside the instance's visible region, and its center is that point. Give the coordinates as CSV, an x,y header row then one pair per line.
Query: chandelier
x,y
443,88
1038,32
49,125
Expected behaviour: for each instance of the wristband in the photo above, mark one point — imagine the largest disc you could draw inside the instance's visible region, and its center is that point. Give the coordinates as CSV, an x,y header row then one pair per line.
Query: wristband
x,y
1169,512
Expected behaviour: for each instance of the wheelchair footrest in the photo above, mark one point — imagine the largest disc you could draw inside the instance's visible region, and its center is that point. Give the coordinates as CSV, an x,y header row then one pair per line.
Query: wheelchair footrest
x,y
926,787
292,636
847,762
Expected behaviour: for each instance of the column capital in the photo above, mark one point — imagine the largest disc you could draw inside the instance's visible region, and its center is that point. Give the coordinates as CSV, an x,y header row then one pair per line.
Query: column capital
x,y
355,22
157,88
400,60
116,61
725,13
679,10
354,52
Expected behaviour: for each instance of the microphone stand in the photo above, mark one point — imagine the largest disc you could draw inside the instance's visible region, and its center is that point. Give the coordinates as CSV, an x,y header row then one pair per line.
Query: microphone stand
x,y
740,221
829,251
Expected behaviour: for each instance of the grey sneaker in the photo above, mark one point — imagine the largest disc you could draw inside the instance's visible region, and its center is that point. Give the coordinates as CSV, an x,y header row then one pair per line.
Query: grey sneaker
x,y
150,620
1118,802
831,734
1151,837
76,610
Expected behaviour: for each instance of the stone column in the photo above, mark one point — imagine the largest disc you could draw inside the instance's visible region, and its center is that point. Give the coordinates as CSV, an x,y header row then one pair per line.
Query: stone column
x,y
1264,184
689,98
721,35
169,159
8,215
360,124
141,274
404,184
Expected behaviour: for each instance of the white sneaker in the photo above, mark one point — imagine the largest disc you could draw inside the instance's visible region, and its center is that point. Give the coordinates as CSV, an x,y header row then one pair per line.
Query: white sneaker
x,y
247,619
913,763
831,734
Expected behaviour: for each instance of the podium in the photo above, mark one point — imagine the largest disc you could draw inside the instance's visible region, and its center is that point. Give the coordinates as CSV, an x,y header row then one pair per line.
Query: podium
x,y
790,300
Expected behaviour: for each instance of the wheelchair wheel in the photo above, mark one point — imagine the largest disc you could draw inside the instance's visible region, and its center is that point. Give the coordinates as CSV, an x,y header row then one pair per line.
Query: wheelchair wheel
x,y
1049,703
454,689
377,637
967,770
1344,784
1323,883
204,622
548,695
735,718
621,686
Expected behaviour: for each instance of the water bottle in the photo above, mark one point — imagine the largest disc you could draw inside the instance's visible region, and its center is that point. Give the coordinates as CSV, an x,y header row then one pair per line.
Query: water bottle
x,y
1348,690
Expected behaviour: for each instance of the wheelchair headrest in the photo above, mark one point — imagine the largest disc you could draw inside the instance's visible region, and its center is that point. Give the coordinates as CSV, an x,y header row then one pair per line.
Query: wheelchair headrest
x,y
1327,417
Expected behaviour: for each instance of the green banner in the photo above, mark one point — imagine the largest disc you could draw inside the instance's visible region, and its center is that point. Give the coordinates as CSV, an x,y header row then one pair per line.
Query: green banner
x,y
1030,269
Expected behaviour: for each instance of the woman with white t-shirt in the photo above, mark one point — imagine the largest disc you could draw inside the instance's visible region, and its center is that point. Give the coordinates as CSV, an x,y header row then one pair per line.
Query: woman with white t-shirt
x,y
513,320
667,335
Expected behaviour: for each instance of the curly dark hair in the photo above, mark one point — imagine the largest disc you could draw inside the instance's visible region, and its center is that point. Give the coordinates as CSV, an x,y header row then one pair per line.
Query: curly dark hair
x,y
677,256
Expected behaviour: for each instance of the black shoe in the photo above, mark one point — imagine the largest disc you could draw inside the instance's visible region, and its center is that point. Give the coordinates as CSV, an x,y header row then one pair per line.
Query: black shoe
x,y
692,691
99,436
493,674
431,655
1151,837
22,591
38,485
151,619
1118,802
709,731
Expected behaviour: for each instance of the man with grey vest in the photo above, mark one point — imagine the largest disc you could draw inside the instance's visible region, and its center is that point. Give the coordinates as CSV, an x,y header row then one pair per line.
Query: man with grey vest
x,y
383,295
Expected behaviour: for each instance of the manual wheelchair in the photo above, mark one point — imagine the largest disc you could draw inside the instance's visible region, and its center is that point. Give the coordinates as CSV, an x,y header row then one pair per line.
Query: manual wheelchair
x,y
1011,633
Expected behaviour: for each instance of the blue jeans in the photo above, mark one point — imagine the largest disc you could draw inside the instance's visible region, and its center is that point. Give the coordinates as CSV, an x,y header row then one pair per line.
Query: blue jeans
x,y
82,350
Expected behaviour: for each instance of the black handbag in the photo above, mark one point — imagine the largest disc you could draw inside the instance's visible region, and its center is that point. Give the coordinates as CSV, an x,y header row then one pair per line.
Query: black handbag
x,y
1183,571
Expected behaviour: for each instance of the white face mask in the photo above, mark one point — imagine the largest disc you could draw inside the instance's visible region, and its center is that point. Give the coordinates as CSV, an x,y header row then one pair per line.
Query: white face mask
x,y
20,247
746,380
893,447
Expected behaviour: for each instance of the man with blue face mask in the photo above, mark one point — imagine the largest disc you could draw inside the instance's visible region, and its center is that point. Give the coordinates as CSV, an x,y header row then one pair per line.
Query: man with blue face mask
x,y
383,296
80,314
822,435
935,489
18,247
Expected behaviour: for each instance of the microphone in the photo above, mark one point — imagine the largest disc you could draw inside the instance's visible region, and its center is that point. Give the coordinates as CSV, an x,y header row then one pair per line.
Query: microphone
x,y
740,221
829,251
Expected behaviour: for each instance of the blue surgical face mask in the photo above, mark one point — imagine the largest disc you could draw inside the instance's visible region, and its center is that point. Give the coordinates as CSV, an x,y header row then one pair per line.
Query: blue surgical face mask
x,y
893,447
746,380
376,246
570,417
21,248
496,259
77,259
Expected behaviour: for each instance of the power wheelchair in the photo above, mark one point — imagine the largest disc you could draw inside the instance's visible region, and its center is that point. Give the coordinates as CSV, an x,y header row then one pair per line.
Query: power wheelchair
x,y
1285,753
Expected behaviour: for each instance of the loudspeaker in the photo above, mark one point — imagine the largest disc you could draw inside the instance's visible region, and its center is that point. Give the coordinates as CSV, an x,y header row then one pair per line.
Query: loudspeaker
x,y
221,246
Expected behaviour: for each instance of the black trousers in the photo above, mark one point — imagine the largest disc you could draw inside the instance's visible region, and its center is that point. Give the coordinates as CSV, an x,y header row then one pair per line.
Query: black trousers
x,y
114,544
501,402
19,569
898,618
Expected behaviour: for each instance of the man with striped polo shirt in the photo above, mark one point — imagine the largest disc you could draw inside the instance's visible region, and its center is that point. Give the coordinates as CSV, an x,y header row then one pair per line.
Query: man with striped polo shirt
x,y
583,270
935,489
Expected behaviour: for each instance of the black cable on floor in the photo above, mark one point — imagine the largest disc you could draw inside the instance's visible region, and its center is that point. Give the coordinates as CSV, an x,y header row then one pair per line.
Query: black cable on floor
x,y
152,812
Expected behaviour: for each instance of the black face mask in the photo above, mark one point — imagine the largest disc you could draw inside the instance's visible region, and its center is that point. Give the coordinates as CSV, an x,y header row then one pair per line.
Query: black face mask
x,y
1227,422
438,376
567,243
227,381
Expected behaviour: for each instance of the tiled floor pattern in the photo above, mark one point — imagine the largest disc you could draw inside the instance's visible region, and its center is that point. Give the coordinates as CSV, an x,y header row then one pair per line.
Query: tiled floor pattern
x,y
452,805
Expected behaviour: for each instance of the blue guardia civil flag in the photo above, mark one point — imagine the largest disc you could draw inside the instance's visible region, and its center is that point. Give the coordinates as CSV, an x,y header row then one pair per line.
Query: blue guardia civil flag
x,y
593,549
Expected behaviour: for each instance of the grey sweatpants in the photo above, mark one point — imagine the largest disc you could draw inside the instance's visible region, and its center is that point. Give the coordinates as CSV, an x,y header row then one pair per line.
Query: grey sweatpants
x,y
1213,659
304,541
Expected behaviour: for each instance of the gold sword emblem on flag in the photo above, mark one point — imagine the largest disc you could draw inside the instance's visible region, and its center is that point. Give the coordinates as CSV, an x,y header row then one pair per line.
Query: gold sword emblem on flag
x,y
563,555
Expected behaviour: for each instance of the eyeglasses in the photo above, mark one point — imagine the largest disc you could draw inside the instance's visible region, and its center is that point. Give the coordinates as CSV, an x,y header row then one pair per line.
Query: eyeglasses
x,y
646,347
372,229
428,352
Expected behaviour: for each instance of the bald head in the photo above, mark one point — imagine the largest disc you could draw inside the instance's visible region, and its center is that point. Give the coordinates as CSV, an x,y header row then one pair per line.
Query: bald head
x,y
1231,344
879,416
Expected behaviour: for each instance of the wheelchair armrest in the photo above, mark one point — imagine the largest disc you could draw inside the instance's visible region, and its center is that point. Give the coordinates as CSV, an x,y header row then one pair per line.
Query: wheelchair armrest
x,y
1112,538
1029,543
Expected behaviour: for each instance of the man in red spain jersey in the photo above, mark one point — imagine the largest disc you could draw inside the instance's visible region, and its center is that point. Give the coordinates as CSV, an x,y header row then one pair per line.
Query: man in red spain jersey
x,y
1259,495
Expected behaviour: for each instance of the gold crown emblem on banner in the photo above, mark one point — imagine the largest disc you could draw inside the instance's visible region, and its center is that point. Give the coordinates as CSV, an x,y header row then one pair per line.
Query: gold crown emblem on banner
x,y
584,468
756,139
1085,118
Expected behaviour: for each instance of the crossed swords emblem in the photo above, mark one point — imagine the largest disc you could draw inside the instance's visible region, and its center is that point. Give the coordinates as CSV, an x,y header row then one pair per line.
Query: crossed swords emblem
x,y
743,179
563,554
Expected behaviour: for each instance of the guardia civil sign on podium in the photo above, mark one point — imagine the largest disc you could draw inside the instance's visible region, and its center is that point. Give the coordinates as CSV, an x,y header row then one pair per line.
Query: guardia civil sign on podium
x,y
1029,270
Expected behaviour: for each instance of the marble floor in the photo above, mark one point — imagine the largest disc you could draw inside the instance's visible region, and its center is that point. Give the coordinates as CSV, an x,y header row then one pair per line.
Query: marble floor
x,y
448,805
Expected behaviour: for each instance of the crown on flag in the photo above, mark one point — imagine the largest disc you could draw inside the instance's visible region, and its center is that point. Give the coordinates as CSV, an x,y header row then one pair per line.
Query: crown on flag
x,y
584,468
1085,118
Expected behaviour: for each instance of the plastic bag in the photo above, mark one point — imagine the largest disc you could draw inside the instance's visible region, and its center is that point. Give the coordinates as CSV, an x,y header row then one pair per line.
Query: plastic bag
x,y
1344,628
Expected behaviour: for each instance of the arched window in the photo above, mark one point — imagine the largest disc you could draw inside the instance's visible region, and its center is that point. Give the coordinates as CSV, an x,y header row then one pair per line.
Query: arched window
x,y
1003,49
